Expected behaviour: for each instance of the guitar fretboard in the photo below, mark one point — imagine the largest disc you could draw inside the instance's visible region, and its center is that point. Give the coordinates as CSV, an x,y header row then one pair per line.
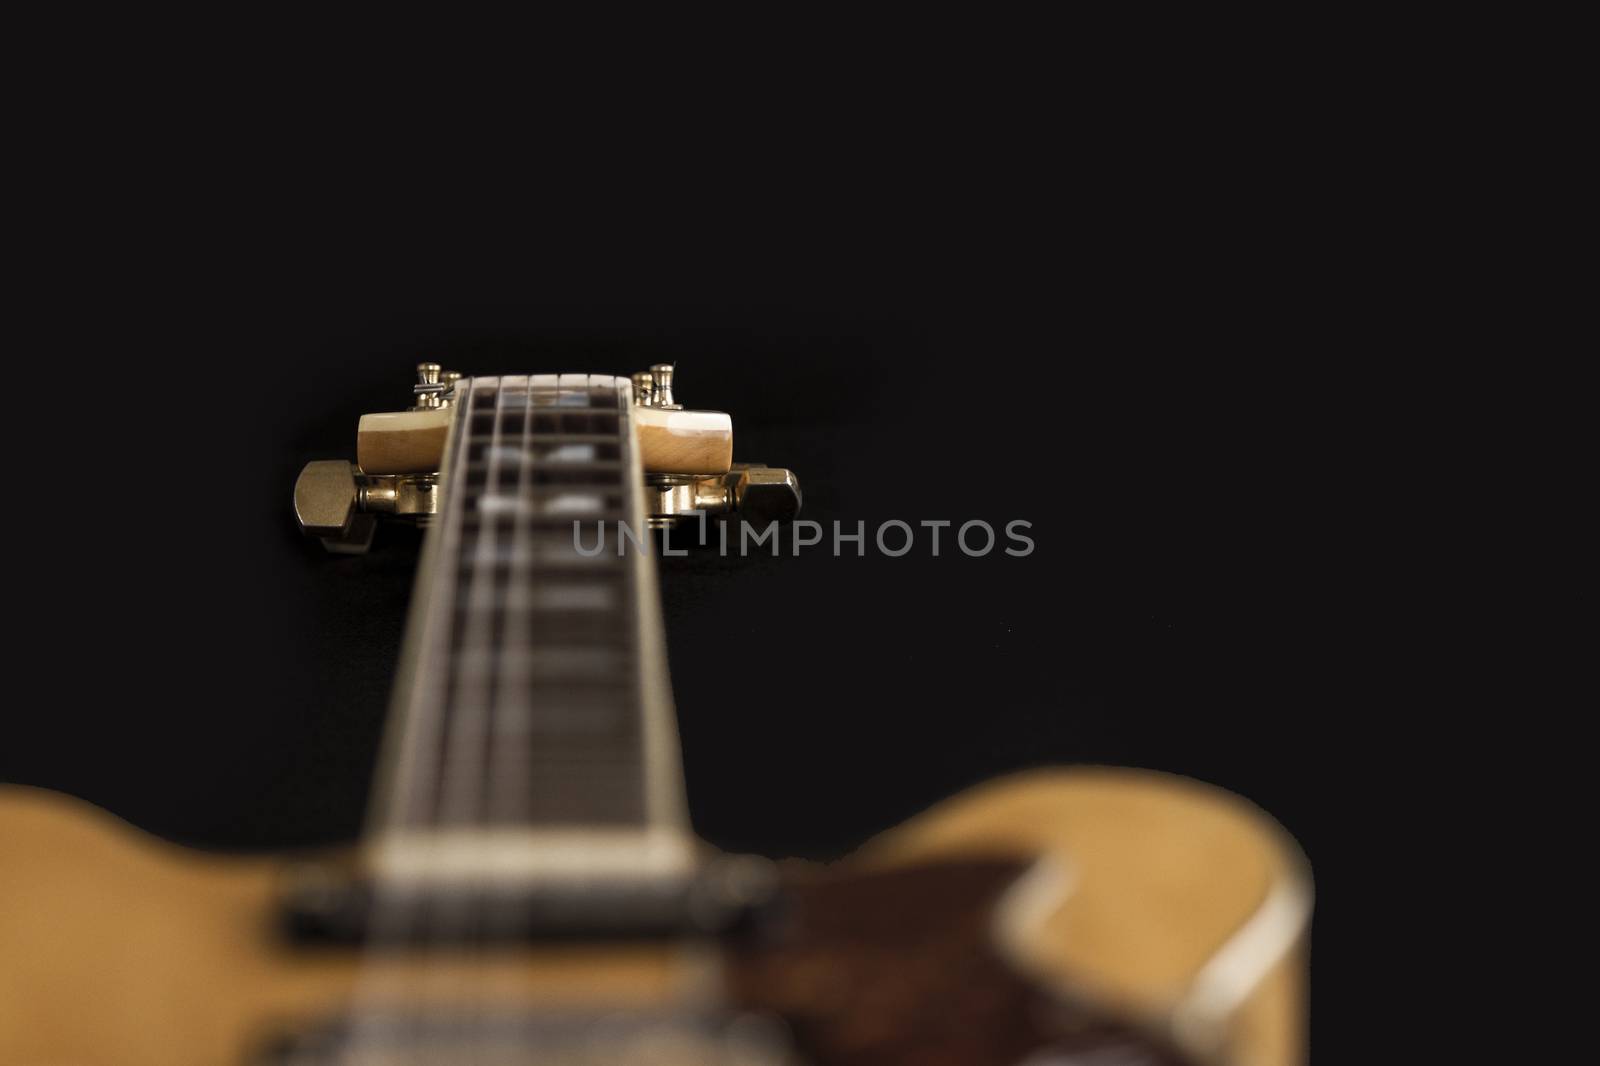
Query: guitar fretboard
x,y
535,692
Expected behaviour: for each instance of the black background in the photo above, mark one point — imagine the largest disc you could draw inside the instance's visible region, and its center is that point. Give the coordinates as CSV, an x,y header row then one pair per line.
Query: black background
x,y
1158,622
1134,373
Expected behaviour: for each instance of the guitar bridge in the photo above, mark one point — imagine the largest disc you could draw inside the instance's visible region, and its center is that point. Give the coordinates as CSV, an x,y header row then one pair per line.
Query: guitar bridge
x,y
719,898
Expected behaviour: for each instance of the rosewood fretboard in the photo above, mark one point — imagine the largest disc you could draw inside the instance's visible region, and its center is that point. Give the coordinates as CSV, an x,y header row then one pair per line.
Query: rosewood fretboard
x,y
534,691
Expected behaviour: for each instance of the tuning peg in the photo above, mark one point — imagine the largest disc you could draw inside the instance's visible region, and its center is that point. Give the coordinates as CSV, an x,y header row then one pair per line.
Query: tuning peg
x,y
644,386
686,456
339,504
661,388
435,386
653,388
327,505
760,494
764,494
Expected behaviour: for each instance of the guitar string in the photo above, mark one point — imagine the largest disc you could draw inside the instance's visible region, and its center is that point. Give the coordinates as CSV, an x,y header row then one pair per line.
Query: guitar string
x,y
454,794
438,924
513,709
477,910
436,913
505,736
384,982
510,708
465,775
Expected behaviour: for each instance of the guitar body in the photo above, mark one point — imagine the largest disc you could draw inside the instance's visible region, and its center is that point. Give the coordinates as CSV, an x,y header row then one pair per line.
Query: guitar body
x,y
1063,911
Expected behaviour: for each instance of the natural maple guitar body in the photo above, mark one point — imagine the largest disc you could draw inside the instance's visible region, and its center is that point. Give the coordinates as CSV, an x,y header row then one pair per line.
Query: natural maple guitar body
x,y
972,935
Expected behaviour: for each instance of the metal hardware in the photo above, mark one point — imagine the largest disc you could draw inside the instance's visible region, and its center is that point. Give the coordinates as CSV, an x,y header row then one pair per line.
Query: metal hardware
x,y
323,903
763,494
326,504
759,493
661,388
413,496
325,497
435,386
336,502
644,387
653,388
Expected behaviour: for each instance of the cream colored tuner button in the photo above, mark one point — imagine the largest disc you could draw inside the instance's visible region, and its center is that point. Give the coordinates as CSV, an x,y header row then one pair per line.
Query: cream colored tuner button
x,y
402,442
683,442
674,441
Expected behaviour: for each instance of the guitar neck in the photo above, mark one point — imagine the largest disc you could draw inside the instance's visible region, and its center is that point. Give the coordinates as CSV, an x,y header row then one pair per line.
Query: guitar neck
x,y
533,692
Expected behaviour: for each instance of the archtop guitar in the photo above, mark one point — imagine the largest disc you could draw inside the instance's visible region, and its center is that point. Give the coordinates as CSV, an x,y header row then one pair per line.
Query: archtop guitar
x,y
529,890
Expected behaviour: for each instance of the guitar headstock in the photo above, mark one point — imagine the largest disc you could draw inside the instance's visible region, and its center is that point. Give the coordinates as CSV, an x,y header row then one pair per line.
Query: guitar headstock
x,y
686,458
